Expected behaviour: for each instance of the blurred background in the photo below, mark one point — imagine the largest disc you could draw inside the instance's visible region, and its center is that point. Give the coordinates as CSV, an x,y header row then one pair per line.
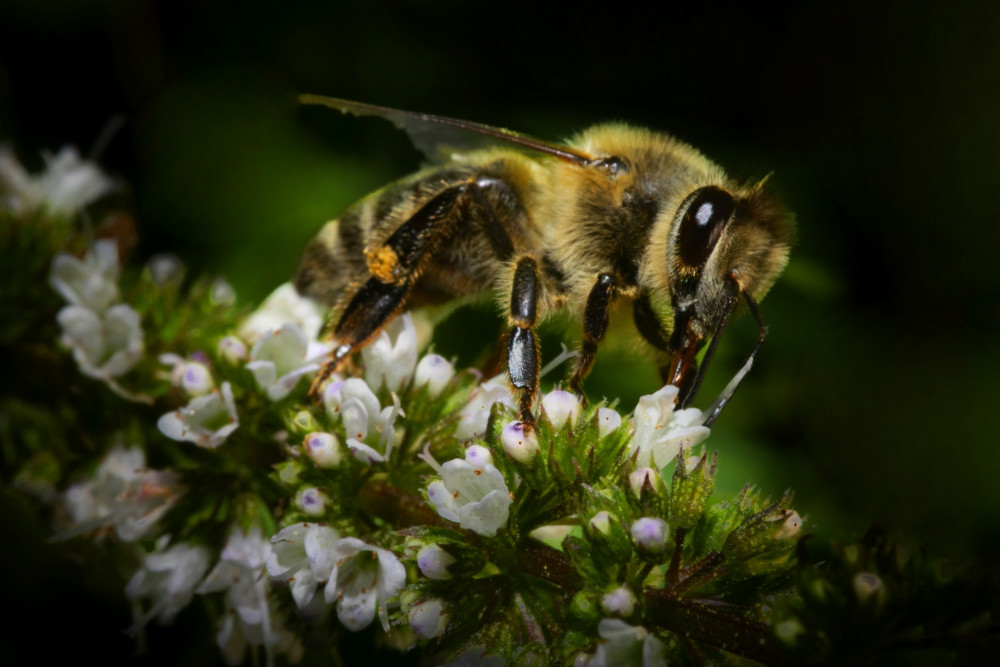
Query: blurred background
x,y
875,395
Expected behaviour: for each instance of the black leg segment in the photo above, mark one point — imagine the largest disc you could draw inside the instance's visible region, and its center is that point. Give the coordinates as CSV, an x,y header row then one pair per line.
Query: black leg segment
x,y
595,326
522,347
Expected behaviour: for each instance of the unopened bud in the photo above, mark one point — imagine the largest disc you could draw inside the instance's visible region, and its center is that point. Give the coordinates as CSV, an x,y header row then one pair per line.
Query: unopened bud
x,y
619,602
638,479
323,449
434,561
519,441
311,501
560,407
650,535
608,421
428,618
435,372
233,350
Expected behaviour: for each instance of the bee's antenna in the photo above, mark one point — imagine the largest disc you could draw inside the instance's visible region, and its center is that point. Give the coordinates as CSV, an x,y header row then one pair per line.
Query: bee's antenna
x,y
714,410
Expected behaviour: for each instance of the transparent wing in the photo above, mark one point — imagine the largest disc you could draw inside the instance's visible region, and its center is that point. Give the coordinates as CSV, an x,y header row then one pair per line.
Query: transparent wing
x,y
436,136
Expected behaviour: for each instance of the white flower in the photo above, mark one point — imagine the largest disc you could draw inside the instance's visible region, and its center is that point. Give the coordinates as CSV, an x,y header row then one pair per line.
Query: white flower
x,y
222,293
323,449
520,443
312,501
123,493
637,480
104,346
283,306
471,492
249,619
790,527
232,349
608,421
618,602
435,372
370,428
560,407
624,645
91,282
434,562
206,421
304,554
650,534
165,268
392,355
281,357
476,413
191,376
364,577
428,618
168,577
660,431
67,185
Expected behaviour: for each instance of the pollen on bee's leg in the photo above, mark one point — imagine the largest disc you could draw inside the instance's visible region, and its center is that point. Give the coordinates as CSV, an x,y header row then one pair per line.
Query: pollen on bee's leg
x,y
383,264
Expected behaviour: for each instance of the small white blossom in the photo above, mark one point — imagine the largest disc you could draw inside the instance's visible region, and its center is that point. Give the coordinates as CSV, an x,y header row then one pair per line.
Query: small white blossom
x,y
165,268
650,534
168,577
206,421
123,493
370,428
434,562
364,578
520,443
284,306
619,602
476,413
608,421
67,185
435,372
391,356
560,407
660,431
233,350
222,293
790,527
428,618
638,479
91,282
104,346
601,522
323,449
471,492
249,618
281,357
191,376
624,645
304,554
312,501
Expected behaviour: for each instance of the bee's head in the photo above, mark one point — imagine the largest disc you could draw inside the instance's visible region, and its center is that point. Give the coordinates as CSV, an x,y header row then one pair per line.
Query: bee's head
x,y
724,244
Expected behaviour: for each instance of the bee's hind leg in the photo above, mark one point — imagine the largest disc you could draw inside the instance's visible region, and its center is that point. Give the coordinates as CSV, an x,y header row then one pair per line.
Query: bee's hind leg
x,y
522,347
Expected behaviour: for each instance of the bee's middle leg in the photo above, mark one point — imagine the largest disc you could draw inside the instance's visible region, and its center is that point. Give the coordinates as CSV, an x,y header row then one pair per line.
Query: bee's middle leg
x,y
595,326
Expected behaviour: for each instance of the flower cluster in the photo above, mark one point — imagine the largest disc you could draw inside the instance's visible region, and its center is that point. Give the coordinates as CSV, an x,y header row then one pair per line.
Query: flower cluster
x,y
406,491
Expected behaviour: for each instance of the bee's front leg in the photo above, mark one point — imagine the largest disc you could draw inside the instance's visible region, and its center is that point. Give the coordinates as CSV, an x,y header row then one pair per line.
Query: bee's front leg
x,y
523,358
595,325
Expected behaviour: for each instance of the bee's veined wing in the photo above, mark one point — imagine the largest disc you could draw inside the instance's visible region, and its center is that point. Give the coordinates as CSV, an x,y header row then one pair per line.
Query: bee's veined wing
x,y
436,136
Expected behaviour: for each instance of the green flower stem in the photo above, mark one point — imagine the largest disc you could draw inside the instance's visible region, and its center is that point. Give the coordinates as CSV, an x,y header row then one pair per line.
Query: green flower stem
x,y
697,621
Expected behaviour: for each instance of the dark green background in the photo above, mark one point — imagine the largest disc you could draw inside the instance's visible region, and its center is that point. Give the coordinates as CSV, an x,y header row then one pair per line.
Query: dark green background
x,y
875,396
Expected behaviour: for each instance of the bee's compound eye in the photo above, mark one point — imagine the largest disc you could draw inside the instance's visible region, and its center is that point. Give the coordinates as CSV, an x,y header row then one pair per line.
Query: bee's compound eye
x,y
709,211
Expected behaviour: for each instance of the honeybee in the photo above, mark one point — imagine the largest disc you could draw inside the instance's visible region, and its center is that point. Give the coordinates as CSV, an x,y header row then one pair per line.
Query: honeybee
x,y
617,212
